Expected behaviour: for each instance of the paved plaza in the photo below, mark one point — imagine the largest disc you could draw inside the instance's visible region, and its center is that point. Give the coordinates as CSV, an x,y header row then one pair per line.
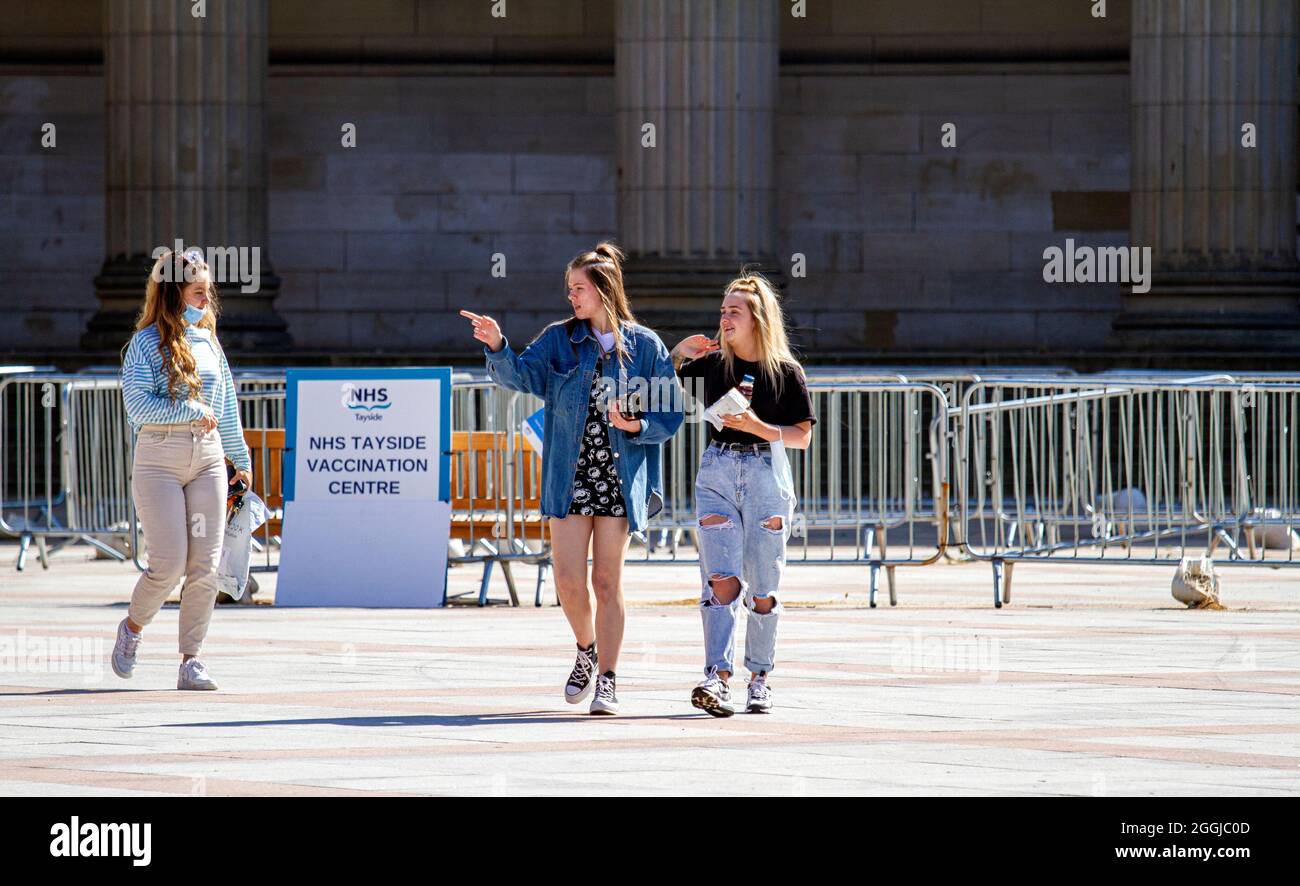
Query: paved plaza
x,y
1093,681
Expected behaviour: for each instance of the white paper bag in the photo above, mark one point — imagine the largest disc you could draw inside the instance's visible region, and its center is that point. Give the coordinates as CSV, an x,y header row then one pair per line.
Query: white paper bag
x,y
781,467
236,549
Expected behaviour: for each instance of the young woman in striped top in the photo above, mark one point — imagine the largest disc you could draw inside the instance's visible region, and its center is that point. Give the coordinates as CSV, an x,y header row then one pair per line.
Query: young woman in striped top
x,y
180,400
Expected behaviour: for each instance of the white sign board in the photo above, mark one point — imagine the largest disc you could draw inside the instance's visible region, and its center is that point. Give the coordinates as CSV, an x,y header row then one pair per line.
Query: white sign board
x,y
366,487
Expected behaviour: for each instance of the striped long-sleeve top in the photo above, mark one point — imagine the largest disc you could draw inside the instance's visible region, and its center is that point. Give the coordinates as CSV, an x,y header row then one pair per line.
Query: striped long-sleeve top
x,y
144,389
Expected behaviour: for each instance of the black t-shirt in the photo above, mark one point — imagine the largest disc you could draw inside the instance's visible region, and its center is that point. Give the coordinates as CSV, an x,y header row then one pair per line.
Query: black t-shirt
x,y
792,406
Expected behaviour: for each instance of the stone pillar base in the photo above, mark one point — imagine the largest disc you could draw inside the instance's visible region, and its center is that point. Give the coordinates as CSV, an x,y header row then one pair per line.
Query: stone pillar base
x,y
680,297
249,323
1249,311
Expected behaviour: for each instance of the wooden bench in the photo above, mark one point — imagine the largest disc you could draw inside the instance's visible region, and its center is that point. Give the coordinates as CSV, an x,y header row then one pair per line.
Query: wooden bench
x,y
478,505
266,447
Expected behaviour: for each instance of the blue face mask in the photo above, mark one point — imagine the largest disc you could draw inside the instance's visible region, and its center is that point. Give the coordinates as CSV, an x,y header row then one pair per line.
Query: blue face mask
x,y
193,315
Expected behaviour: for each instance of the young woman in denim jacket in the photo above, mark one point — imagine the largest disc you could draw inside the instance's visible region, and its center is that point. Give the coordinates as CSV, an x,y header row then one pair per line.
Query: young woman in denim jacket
x,y
600,467
744,494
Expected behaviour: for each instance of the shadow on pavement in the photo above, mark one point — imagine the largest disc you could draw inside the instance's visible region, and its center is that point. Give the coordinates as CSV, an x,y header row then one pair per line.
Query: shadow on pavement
x,y
428,720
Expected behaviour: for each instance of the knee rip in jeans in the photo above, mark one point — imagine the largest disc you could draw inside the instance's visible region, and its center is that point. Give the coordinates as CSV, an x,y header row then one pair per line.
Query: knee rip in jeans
x,y
728,585
769,604
774,524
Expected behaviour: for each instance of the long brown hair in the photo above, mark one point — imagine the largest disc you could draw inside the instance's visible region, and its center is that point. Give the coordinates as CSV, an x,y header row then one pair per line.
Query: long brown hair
x,y
774,354
604,266
164,307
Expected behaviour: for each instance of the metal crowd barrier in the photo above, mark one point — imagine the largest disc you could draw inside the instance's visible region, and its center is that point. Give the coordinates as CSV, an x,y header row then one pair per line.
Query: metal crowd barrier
x,y
864,474
261,398
495,484
64,463
1123,470
906,466
67,451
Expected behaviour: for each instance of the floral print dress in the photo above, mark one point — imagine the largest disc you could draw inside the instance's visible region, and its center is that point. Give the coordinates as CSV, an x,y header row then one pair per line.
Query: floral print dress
x,y
597,490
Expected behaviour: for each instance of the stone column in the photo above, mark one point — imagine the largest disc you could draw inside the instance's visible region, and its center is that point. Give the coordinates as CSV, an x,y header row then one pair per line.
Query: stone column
x,y
185,157
702,201
1220,217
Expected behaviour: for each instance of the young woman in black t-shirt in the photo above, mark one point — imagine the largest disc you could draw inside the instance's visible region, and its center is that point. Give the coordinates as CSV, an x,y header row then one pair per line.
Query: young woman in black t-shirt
x,y
744,494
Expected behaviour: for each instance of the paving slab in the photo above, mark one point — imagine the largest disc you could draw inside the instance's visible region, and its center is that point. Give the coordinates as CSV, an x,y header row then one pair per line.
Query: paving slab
x,y
1093,681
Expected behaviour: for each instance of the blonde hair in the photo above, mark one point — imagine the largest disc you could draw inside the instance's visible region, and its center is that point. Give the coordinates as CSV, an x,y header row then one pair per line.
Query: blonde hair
x,y
604,266
774,354
164,307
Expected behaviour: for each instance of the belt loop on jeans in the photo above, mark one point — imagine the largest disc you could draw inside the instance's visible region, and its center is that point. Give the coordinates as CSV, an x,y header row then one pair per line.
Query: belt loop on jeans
x,y
741,447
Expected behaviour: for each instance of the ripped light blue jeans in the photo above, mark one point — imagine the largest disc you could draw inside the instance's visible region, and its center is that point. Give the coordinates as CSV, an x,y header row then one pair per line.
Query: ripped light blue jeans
x,y
748,544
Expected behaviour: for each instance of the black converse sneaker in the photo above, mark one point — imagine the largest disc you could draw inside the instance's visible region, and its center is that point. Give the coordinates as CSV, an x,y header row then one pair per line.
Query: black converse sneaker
x,y
713,696
605,701
581,678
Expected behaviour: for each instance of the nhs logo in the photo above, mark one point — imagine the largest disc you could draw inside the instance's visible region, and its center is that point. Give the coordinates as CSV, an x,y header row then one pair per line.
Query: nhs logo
x,y
364,401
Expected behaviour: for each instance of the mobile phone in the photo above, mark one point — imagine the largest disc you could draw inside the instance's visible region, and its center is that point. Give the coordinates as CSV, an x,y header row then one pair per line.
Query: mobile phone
x,y
238,488
632,407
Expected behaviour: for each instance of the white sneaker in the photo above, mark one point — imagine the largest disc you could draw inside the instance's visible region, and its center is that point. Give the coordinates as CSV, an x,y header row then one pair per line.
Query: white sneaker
x,y
605,701
760,696
713,696
581,678
124,650
194,675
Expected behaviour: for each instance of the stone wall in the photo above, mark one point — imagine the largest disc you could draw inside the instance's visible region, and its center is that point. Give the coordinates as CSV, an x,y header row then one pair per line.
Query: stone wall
x,y
51,210
915,247
583,30
912,248
910,245
379,245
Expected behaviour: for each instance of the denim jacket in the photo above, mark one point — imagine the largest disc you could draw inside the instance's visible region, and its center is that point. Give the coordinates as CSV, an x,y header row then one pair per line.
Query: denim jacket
x,y
560,367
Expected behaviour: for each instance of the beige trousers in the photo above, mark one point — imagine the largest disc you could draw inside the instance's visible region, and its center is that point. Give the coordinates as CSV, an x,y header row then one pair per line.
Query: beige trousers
x,y
179,485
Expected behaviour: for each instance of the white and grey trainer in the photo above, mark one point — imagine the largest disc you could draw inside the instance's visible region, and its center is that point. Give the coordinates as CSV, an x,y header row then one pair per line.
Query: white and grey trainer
x,y
194,675
760,695
604,701
582,677
124,651
713,696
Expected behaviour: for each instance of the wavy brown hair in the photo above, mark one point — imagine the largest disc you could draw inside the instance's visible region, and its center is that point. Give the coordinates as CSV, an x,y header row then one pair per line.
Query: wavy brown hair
x,y
604,267
164,307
